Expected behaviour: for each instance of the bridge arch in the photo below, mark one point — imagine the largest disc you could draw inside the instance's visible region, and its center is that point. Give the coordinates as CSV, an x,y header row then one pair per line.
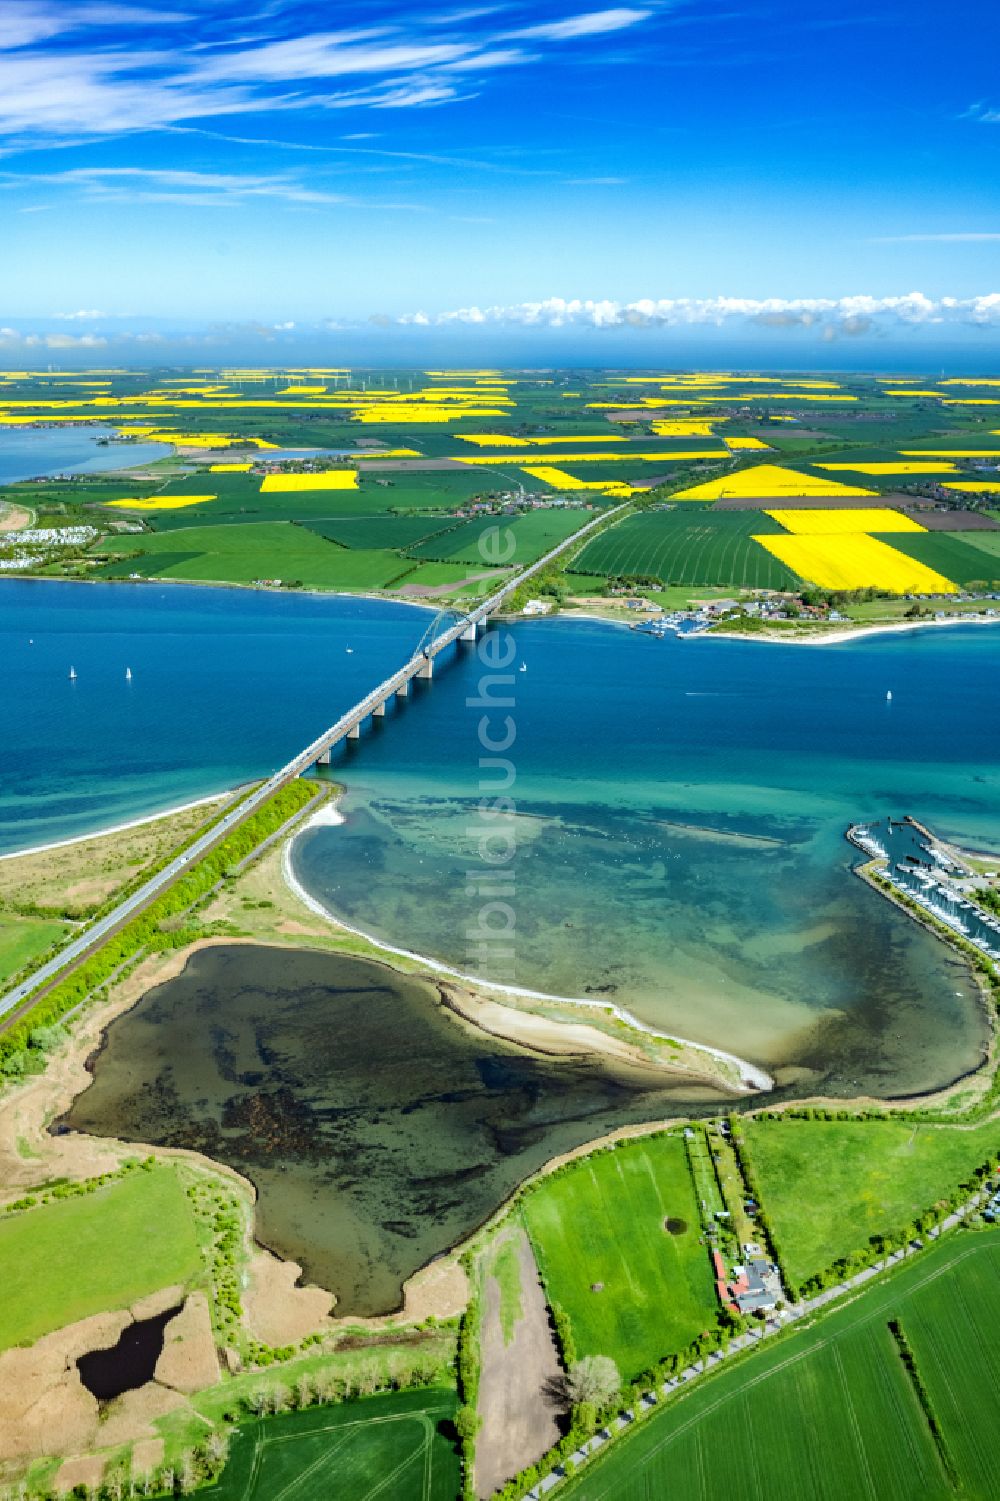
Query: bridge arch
x,y
443,621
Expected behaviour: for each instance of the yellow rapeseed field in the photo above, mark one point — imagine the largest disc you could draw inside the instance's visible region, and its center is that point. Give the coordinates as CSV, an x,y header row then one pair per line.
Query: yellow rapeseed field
x,y
767,481
493,440
687,427
744,443
162,502
855,561
952,453
828,523
229,468
977,486
560,480
330,479
556,477
898,466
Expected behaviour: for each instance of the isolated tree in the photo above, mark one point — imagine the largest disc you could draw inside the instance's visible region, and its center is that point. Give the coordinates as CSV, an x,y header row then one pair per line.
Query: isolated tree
x,y
467,1422
216,1450
259,1400
594,1379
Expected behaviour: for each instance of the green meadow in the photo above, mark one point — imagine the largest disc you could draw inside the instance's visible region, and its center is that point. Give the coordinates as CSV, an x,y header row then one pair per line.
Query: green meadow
x,y
73,1257
828,1186
242,553
601,1222
21,938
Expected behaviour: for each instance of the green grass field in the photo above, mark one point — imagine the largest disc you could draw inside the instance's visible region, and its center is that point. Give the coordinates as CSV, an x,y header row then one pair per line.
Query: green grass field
x,y
533,534
65,1260
21,938
603,1221
712,548
950,554
242,553
376,532
828,1186
829,1412
454,575
987,542
395,1447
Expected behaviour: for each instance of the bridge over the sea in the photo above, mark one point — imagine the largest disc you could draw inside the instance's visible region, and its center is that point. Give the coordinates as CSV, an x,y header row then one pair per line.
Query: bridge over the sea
x,y
318,751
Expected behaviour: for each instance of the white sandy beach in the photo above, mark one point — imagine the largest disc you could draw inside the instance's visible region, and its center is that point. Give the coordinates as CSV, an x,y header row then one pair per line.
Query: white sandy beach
x,y
750,1075
121,828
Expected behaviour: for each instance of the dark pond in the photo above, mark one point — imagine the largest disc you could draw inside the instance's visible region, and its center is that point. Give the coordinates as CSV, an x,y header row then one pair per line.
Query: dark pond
x,y
128,1364
377,1130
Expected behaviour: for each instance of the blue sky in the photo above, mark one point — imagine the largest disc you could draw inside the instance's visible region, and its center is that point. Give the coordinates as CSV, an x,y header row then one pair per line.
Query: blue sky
x,y
630,180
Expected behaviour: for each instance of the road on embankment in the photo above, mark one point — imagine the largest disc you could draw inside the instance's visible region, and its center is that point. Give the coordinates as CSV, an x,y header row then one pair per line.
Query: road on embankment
x,y
93,936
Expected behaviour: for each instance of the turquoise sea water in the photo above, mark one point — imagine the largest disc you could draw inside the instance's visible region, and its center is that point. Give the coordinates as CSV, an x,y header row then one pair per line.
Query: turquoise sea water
x,y
680,812
27,453
679,805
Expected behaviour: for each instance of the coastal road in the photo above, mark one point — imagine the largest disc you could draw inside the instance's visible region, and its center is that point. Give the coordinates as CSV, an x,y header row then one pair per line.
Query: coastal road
x,y
93,936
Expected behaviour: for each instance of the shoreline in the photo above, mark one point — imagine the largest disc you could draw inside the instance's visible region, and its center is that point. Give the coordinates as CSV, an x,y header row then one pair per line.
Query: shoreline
x,y
751,1076
120,828
858,633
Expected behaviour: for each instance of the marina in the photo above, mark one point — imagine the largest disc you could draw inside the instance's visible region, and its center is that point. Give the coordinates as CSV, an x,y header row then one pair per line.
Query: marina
x,y
913,862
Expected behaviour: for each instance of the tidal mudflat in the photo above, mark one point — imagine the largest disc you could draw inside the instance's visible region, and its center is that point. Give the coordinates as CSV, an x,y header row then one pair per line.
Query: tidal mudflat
x,y
377,1130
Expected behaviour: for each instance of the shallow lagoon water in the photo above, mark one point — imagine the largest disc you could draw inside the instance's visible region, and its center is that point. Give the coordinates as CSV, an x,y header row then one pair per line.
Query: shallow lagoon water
x,y
680,812
27,453
377,1131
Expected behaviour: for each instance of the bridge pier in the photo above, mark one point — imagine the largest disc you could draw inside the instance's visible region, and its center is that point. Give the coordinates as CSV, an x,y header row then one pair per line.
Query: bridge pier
x,y
324,757
354,733
426,668
404,688
379,710
470,632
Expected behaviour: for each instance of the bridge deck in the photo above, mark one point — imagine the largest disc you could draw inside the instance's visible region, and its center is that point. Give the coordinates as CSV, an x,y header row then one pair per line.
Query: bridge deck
x,y
93,936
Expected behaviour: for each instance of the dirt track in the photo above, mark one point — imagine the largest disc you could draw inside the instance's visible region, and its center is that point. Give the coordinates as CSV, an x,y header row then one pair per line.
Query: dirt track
x,y
519,1417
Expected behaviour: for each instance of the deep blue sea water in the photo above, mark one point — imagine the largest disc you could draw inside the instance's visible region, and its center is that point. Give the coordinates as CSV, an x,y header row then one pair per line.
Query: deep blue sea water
x,y
226,684
679,810
28,453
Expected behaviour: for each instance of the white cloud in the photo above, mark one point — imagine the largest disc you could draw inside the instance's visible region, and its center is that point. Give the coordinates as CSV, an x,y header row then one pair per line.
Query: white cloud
x,y
23,23
70,92
12,338
85,315
70,69
171,185
846,315
411,93
327,55
591,23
